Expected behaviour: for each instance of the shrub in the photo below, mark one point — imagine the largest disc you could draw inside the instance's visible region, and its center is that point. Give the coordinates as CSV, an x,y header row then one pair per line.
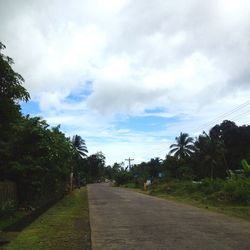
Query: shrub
x,y
237,191
122,177
209,187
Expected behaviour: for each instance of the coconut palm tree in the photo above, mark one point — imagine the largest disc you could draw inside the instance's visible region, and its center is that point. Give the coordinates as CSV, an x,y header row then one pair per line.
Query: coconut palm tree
x,y
184,146
79,146
79,151
211,151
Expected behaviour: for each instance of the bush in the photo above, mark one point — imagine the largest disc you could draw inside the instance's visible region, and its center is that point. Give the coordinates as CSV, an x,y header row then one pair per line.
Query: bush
x,y
185,173
231,191
130,185
122,177
237,191
209,187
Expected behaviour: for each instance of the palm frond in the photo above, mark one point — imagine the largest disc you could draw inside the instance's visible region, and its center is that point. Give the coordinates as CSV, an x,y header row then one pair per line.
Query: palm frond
x,y
173,150
79,146
174,145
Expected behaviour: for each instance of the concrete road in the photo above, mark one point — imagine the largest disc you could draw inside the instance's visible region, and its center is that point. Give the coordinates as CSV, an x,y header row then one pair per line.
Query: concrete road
x,y
123,219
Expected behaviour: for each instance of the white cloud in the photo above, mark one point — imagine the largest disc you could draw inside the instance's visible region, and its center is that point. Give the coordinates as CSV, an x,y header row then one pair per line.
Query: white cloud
x,y
191,58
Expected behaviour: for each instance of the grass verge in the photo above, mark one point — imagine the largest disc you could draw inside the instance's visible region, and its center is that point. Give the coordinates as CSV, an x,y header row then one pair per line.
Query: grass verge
x,y
63,226
198,200
10,220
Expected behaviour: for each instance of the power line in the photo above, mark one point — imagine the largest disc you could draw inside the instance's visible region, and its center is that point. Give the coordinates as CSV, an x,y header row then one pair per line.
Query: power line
x,y
218,118
241,115
223,115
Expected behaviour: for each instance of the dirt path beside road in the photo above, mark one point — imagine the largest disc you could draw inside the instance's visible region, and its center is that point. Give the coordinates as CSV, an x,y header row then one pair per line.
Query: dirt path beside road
x,y
123,219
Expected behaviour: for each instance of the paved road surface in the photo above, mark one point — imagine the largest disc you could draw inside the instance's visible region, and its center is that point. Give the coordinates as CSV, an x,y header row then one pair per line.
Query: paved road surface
x,y
123,219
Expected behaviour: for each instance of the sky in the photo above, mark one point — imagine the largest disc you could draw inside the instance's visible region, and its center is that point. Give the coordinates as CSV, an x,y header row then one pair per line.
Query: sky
x,y
129,76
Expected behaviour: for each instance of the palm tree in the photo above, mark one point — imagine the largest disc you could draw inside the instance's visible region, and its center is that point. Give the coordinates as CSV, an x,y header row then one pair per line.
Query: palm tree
x,y
79,146
211,151
79,152
184,146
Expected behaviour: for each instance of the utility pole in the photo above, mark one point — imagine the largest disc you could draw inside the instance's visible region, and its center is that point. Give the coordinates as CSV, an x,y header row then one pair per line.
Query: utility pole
x,y
129,161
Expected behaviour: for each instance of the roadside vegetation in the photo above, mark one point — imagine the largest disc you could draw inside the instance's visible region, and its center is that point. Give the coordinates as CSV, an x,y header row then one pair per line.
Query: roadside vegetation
x,y
38,164
63,226
211,170
225,197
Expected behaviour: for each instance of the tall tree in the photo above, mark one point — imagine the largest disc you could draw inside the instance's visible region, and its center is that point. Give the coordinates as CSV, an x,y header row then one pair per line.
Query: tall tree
x,y
79,152
236,140
210,153
11,91
79,146
96,164
184,146
11,82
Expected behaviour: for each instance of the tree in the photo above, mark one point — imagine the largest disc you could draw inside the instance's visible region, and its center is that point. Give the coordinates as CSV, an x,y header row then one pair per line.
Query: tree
x,y
79,146
11,82
154,167
171,166
37,158
184,146
210,152
79,152
39,161
11,91
236,140
96,164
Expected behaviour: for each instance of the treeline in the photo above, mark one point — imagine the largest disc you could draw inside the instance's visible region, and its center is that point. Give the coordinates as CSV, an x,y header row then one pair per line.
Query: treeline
x,y
212,167
221,153
41,160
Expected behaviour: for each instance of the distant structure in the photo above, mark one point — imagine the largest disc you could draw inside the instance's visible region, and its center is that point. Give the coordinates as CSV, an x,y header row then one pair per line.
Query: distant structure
x,y
129,161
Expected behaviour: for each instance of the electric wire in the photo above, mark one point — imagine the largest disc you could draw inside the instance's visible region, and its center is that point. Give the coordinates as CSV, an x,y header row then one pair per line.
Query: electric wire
x,y
219,118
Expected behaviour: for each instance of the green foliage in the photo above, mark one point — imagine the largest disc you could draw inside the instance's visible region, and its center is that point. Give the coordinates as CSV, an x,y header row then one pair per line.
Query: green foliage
x,y
208,186
236,191
32,155
185,173
63,226
35,156
79,146
231,191
240,173
11,82
207,160
11,91
122,177
210,152
184,146
41,166
236,141
246,167
95,167
146,170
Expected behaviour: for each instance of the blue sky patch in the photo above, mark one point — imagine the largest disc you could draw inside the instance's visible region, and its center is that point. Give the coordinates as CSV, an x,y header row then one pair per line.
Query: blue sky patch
x,y
145,123
155,110
81,94
30,107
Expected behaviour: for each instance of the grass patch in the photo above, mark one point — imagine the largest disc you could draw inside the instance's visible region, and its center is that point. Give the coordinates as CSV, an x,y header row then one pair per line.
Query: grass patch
x,y
186,192
10,220
129,185
64,226
239,211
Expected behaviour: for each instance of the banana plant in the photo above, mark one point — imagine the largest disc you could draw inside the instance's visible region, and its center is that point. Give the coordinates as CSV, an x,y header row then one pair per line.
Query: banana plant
x,y
246,167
